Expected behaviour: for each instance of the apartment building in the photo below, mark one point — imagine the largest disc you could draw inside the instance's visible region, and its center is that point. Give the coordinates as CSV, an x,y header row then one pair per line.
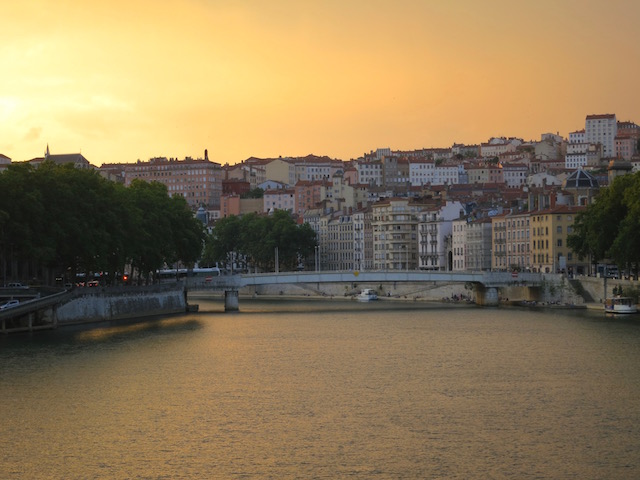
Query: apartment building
x,y
514,174
549,250
602,129
307,195
477,253
576,156
235,205
435,229
421,171
484,174
549,147
626,147
312,168
628,140
281,170
251,171
362,240
458,244
340,242
395,234
499,242
279,199
447,174
498,146
517,241
471,242
339,195
369,172
199,181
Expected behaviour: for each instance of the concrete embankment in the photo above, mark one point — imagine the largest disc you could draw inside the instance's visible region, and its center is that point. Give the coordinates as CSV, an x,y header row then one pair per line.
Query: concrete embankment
x,y
103,304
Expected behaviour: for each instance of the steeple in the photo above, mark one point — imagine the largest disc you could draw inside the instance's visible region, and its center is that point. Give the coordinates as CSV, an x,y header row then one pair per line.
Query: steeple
x,y
46,153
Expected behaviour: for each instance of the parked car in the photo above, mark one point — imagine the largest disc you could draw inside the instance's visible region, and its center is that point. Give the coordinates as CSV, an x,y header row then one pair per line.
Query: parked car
x,y
16,285
10,304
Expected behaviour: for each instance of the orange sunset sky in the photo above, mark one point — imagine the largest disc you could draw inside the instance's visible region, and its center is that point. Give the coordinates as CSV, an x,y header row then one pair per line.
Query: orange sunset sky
x,y
127,80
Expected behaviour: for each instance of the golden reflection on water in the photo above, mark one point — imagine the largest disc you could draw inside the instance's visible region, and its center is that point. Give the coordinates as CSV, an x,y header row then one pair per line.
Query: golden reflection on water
x,y
315,391
105,333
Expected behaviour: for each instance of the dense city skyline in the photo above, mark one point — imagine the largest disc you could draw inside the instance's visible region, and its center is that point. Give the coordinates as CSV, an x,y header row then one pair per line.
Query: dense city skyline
x,y
122,81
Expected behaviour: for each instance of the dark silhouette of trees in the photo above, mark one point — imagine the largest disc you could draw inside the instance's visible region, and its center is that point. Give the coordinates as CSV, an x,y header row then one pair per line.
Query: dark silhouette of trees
x,y
254,193
255,238
608,228
59,219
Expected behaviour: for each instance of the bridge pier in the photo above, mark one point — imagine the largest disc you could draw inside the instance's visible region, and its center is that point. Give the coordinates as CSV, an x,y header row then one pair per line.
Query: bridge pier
x,y
487,296
231,303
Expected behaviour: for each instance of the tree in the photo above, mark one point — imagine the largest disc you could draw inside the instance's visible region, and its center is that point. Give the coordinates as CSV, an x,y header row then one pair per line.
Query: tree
x,y
65,220
254,193
187,232
606,228
221,245
256,237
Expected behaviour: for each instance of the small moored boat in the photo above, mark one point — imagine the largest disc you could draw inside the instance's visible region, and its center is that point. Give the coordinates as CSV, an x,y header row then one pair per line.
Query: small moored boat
x,y
620,304
367,295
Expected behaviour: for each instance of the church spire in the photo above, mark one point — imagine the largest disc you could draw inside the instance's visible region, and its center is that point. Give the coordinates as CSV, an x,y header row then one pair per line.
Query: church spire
x,y
46,153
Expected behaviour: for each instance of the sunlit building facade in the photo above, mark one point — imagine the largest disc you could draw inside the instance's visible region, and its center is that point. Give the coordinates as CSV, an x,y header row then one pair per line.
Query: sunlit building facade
x,y
199,181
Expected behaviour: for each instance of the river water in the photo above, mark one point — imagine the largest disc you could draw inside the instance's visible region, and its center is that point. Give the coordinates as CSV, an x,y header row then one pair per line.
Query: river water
x,y
320,389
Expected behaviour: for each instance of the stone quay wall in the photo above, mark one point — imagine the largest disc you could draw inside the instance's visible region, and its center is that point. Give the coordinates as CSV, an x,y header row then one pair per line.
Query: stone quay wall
x,y
104,304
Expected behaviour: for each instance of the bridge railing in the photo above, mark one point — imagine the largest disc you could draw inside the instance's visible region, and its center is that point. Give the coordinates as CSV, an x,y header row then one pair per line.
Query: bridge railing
x,y
492,279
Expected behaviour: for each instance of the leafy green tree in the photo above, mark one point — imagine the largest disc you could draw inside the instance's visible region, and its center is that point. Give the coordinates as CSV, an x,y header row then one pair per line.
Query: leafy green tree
x,y
222,244
606,228
255,242
21,212
62,219
256,237
151,234
625,249
254,193
187,232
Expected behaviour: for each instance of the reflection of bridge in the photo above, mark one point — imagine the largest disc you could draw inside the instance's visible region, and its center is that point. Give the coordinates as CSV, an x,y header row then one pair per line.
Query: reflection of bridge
x,y
486,284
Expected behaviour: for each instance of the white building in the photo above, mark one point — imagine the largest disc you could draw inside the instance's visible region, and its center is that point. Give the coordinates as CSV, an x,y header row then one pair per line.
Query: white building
x,y
280,199
447,174
421,171
362,240
602,129
434,228
514,174
311,168
370,173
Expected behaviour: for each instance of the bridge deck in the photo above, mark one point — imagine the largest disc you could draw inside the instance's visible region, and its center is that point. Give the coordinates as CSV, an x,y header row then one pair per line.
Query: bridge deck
x,y
487,279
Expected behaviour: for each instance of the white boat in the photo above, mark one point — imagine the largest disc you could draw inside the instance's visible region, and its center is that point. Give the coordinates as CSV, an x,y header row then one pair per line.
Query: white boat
x,y
367,295
619,304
